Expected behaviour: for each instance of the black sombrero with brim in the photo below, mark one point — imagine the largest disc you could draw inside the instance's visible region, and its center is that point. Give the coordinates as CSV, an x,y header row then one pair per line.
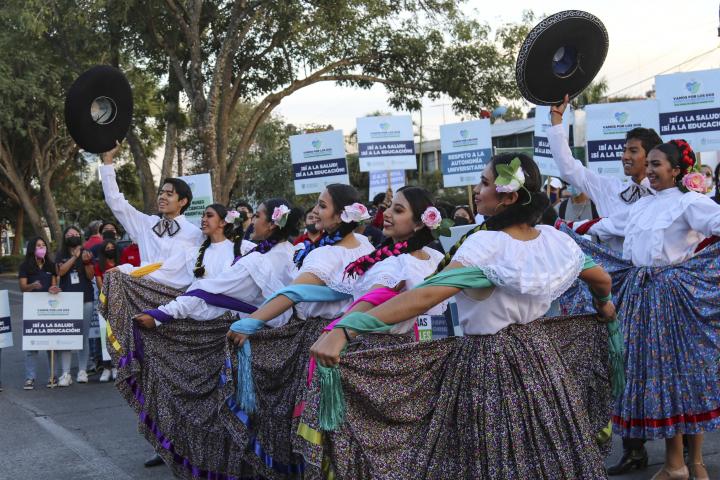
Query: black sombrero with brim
x,y
561,55
99,108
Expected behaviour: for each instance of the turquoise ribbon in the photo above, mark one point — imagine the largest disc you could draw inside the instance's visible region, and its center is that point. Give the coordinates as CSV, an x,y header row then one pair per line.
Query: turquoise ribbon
x,y
310,293
245,386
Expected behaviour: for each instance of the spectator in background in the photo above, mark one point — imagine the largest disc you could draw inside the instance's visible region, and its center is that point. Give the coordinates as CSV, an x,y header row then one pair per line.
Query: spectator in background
x,y
716,189
108,231
108,258
707,172
372,233
577,207
246,215
463,215
75,272
37,273
131,255
554,190
311,231
94,236
378,207
549,216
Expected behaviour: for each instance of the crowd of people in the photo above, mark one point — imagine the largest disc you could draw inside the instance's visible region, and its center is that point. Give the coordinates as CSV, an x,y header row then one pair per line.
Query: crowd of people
x,y
275,342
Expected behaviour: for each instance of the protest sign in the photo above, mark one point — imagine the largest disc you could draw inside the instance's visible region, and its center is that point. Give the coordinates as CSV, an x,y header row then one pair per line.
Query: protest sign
x,y
689,104
318,159
386,143
6,338
52,322
466,150
201,187
606,126
379,182
541,146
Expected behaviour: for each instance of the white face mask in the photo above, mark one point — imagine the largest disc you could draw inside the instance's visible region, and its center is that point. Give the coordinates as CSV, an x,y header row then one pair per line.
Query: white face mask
x,y
709,183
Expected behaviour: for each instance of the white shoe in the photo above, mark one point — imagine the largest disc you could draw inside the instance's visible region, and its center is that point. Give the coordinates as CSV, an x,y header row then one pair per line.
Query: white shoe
x,y
114,373
65,380
82,376
105,376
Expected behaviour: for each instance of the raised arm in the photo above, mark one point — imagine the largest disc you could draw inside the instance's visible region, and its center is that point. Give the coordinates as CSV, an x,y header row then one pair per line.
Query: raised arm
x,y
132,220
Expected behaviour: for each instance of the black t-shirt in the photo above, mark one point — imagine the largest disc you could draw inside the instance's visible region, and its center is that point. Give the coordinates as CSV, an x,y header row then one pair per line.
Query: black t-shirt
x,y
75,280
44,275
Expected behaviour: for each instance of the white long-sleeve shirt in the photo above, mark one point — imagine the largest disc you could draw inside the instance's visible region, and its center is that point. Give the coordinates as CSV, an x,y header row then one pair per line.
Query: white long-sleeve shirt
x,y
252,279
611,195
152,247
663,229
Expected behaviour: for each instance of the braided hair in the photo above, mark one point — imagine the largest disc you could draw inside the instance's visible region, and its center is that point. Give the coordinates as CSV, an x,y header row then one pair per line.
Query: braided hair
x,y
229,230
528,208
341,196
419,200
680,155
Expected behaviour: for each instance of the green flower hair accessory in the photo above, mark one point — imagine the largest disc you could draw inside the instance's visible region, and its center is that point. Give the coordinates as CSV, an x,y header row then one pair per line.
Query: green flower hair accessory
x,y
511,178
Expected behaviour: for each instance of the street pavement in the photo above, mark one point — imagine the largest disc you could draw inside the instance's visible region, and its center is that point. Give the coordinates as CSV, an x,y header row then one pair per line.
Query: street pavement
x,y
88,431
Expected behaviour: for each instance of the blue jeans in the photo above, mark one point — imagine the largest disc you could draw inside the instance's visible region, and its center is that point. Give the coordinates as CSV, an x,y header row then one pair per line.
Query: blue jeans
x,y
31,363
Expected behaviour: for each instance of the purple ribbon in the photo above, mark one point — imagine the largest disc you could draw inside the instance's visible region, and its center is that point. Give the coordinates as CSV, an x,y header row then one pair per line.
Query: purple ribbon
x,y
159,315
221,300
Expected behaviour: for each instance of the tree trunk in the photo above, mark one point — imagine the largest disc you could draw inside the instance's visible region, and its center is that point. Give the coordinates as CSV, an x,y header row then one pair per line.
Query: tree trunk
x,y
179,161
172,113
143,168
19,231
50,209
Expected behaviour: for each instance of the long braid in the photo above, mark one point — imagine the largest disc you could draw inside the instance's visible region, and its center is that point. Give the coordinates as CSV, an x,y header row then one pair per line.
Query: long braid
x,y
451,253
199,270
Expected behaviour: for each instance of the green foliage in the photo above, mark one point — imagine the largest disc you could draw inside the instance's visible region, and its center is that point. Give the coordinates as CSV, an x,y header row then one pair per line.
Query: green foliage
x,y
10,263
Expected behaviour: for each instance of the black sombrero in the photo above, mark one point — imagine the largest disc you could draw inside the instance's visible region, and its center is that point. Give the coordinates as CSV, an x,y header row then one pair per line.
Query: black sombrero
x,y
562,54
98,108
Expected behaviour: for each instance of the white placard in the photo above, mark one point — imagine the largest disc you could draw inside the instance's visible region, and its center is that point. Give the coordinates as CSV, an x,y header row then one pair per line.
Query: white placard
x,y
318,159
386,143
52,322
103,338
541,146
201,187
379,182
689,104
6,337
606,126
466,150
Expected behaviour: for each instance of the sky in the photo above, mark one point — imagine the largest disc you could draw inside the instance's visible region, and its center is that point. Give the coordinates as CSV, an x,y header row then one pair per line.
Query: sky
x,y
646,38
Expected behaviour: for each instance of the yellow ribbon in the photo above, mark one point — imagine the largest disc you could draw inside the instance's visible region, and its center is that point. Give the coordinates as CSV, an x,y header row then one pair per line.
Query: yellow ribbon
x,y
111,337
310,434
147,269
102,298
604,435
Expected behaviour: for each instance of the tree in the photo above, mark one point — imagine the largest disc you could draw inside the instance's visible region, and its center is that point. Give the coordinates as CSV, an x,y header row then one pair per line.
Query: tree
x,y
260,52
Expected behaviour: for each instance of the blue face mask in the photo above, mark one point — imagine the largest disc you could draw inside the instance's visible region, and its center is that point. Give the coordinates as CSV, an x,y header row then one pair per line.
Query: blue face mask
x,y
573,191
553,197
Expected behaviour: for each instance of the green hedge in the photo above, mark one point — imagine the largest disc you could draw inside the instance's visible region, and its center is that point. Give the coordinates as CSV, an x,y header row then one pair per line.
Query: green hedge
x,y
10,263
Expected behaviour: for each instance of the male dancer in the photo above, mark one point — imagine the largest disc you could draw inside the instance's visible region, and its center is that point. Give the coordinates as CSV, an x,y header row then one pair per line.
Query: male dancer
x,y
611,196
158,238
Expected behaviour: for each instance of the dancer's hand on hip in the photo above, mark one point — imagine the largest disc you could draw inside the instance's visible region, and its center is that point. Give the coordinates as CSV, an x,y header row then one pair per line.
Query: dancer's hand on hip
x,y
606,311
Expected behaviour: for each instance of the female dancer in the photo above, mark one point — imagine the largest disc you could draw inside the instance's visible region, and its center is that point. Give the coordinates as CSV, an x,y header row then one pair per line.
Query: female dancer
x,y
669,306
497,403
319,293
403,261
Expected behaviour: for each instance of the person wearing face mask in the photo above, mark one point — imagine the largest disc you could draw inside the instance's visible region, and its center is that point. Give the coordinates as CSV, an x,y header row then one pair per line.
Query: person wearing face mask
x,y
246,217
311,232
37,273
463,215
75,271
553,188
108,231
707,172
577,207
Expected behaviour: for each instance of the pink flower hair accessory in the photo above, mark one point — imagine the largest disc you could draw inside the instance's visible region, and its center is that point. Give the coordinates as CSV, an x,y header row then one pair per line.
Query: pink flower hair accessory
x,y
431,218
280,215
357,212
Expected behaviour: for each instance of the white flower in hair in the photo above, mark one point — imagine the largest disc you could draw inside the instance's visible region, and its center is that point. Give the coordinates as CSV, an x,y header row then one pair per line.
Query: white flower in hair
x,y
357,212
511,177
431,217
231,216
280,215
